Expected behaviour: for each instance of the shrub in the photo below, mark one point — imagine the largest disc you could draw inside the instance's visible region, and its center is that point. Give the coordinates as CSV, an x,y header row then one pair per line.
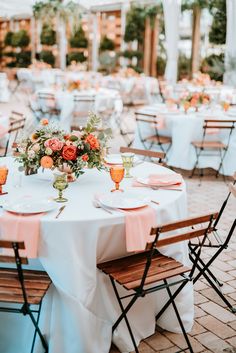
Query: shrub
x,y
107,44
23,59
78,40
76,56
214,66
129,54
8,38
184,66
47,57
20,39
48,35
160,65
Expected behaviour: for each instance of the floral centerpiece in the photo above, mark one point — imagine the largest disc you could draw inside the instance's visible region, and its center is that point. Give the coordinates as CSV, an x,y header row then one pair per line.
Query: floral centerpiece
x,y
74,85
52,148
194,100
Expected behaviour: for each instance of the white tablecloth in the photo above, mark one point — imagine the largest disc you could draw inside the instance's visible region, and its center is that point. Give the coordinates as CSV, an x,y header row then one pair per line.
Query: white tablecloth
x,y
105,100
4,88
80,307
185,128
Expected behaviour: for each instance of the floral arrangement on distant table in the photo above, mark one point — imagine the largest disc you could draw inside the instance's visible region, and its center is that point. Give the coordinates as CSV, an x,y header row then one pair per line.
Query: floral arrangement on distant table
x,y
74,85
51,148
194,100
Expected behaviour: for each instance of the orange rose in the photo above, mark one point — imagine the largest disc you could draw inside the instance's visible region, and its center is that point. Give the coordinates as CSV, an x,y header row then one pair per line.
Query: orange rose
x,y
46,162
85,157
92,141
69,153
44,122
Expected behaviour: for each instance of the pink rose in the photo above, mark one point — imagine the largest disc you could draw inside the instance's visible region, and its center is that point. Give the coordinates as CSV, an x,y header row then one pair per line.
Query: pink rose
x,y
54,144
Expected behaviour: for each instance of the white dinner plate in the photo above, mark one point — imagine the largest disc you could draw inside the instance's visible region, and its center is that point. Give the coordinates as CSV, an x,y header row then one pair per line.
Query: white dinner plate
x,y
116,159
145,181
30,205
123,200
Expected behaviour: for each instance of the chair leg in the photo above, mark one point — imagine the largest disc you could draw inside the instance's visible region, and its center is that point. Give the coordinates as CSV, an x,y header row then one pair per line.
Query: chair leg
x,y
37,330
213,285
124,314
178,317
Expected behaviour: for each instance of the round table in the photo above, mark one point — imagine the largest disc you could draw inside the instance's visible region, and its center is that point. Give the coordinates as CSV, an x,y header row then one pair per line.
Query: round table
x,y
80,307
185,128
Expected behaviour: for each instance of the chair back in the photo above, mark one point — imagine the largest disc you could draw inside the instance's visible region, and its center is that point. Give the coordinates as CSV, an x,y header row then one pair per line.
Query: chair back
x,y
82,106
184,230
146,153
217,126
47,102
15,127
150,122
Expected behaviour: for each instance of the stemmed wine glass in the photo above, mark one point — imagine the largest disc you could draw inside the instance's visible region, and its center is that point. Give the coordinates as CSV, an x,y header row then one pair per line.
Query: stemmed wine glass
x,y
127,159
117,174
60,183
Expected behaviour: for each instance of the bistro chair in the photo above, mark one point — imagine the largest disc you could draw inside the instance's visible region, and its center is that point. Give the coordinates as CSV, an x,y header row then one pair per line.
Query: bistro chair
x,y
24,287
152,123
216,147
82,106
47,105
146,154
151,268
219,244
15,127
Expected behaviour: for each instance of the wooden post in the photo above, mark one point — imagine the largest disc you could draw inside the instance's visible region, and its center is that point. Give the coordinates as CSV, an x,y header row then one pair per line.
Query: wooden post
x,y
196,38
147,48
33,39
155,37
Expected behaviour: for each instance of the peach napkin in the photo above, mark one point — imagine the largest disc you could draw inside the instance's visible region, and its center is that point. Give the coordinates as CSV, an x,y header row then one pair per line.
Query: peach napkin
x,y
22,228
3,131
161,180
138,224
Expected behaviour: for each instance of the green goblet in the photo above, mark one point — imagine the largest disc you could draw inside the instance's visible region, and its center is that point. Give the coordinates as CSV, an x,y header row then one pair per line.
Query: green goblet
x,y
60,183
127,159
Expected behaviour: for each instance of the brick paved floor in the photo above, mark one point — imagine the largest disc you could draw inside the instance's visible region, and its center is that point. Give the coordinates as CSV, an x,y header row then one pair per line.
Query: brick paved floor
x,y
215,327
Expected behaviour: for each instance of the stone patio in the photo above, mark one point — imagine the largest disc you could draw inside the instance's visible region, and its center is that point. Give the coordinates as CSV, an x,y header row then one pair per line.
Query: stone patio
x,y
215,327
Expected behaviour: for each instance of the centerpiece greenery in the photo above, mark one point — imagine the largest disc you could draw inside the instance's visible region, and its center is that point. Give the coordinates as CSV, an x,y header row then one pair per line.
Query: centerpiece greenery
x,y
52,148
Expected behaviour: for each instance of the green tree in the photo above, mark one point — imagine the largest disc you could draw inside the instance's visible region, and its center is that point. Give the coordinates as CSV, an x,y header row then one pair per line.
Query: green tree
x,y
217,33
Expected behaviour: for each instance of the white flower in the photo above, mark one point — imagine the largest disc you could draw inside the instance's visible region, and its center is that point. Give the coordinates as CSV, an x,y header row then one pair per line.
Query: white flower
x,y
31,154
48,151
36,147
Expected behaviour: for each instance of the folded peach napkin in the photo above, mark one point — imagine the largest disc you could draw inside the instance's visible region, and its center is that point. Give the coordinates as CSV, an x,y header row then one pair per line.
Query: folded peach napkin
x,y
138,224
20,227
159,180
3,131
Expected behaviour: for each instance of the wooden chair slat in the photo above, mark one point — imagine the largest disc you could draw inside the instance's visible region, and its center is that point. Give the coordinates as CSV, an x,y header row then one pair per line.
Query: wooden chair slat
x,y
28,274
158,277
182,237
8,298
17,290
131,275
184,223
11,259
7,244
147,153
29,284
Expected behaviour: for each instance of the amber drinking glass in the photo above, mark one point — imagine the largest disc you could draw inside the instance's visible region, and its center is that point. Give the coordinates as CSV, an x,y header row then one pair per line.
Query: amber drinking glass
x,y
3,178
117,174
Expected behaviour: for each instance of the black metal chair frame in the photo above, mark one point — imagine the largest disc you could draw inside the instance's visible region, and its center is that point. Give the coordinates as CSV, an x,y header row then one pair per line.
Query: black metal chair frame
x,y
140,291
220,124
221,245
152,120
25,308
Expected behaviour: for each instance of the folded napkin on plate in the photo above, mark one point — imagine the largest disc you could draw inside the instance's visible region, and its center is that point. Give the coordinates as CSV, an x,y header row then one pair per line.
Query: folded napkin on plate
x,y
3,131
138,224
160,180
22,228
